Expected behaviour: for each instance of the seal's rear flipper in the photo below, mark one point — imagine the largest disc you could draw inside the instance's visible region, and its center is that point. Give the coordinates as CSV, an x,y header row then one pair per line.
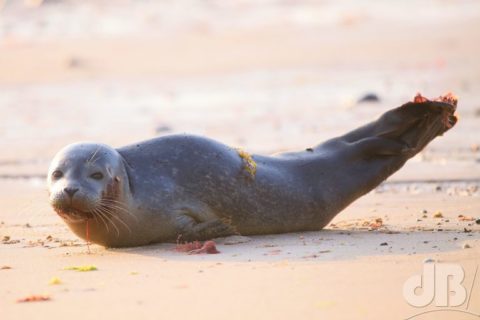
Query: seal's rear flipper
x,y
379,149
398,120
417,123
406,129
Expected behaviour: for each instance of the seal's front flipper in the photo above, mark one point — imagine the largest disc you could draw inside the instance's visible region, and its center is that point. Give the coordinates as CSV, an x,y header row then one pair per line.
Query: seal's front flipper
x,y
191,230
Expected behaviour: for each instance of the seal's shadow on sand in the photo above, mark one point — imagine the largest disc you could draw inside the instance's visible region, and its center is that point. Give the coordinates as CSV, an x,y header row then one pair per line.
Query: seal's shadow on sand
x,y
325,245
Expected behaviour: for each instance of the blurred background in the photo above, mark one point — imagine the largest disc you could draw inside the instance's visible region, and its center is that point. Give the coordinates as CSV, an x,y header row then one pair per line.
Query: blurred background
x,y
264,75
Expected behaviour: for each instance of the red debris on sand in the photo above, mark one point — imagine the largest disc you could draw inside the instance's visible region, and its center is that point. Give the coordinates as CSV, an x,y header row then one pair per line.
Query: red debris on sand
x,y
196,247
461,217
449,98
208,247
34,298
188,246
378,223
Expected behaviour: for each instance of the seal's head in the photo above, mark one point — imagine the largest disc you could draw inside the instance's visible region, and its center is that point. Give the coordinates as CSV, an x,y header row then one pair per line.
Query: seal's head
x,y
83,178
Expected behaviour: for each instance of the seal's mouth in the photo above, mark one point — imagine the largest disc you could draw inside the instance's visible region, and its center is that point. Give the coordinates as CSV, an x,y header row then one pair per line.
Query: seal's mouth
x,y
73,215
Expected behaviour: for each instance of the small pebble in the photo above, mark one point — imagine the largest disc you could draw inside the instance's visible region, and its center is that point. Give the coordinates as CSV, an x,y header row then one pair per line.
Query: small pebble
x,y
438,214
466,246
163,128
429,260
55,281
74,62
369,97
477,221
384,244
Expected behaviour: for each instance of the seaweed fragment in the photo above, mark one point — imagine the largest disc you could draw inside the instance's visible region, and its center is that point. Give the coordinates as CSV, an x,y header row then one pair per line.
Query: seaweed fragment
x,y
81,268
250,164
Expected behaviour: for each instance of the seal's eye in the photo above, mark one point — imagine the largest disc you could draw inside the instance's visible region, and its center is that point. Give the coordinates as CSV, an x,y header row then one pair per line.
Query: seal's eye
x,y
97,176
57,174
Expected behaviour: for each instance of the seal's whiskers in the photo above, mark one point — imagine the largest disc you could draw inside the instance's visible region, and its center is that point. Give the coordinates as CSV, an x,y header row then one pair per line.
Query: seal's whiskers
x,y
114,204
96,213
106,216
122,222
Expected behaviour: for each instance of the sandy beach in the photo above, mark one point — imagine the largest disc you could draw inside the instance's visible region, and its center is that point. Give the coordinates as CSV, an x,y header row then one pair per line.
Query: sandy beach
x,y
265,76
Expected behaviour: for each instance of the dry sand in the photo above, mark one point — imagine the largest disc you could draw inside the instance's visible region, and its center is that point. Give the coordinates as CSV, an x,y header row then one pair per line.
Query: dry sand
x,y
268,77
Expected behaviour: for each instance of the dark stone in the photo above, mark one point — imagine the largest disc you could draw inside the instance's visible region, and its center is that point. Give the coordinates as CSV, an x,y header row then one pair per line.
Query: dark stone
x,y
369,97
162,128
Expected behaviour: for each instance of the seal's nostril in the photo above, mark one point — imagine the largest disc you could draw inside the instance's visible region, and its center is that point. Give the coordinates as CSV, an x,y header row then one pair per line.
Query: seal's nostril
x,y
70,191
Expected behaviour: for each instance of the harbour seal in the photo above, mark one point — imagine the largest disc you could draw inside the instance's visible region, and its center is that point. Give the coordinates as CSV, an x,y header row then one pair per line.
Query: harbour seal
x,y
197,188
